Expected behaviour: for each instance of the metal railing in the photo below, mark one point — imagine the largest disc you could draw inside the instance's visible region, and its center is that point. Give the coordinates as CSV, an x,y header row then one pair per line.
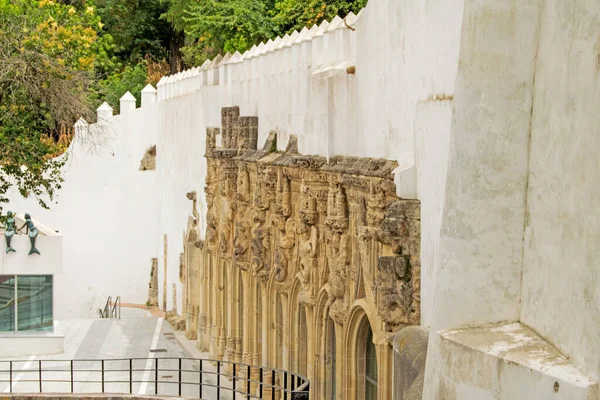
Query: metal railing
x,y
167,376
111,310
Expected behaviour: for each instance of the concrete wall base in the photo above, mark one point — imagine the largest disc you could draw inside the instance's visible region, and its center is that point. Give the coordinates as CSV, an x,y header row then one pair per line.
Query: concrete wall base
x,y
33,344
502,362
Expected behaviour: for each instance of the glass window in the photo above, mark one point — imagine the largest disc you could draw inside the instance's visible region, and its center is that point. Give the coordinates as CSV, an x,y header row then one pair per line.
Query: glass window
x,y
7,303
25,303
34,308
370,368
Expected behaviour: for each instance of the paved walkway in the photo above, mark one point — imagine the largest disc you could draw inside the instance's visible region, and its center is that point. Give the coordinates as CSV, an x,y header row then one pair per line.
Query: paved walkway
x,y
139,336
93,340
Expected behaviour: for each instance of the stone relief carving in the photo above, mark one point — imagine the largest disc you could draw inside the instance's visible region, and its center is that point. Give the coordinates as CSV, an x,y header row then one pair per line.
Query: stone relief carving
x,y
284,193
375,206
308,235
211,213
261,245
284,249
338,275
398,278
334,225
241,244
337,208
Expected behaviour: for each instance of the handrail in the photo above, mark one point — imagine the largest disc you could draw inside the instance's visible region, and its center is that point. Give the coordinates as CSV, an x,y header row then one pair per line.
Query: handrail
x,y
106,311
111,310
116,310
112,375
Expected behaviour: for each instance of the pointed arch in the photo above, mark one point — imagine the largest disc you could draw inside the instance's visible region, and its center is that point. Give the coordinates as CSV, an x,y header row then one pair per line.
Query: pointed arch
x,y
357,333
324,374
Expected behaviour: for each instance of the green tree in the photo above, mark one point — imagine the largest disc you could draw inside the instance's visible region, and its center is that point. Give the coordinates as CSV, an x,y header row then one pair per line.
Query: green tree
x,y
290,15
48,54
213,27
137,29
218,26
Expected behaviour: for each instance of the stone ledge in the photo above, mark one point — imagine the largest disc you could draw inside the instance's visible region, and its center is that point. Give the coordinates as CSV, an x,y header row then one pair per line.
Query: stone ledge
x,y
502,362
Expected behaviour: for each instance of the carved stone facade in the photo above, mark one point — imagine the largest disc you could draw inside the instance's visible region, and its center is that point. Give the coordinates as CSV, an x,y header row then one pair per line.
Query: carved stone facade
x,y
298,250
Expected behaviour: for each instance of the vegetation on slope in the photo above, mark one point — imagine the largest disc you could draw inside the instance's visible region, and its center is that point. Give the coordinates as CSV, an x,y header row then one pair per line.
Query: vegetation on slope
x,y
59,59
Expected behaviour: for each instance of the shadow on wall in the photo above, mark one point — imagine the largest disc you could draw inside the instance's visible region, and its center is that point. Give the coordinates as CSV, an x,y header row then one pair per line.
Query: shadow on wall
x,y
410,354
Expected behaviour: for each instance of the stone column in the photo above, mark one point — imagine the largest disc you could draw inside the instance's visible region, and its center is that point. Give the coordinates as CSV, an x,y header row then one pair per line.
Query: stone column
x,y
218,339
231,317
200,342
384,370
310,342
247,328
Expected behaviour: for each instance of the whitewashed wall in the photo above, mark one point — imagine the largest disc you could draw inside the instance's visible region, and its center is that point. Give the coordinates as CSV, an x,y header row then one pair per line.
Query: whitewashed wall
x,y
181,169
106,214
406,71
561,277
479,280
519,239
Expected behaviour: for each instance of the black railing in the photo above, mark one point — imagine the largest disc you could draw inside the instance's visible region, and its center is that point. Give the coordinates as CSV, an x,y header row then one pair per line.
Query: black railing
x,y
188,377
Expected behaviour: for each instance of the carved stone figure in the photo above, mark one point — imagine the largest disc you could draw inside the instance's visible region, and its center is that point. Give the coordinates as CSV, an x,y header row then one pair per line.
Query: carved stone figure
x,y
226,227
308,206
397,284
243,185
32,232
241,244
284,200
394,290
211,213
260,247
338,275
375,206
285,244
337,208
308,236
10,231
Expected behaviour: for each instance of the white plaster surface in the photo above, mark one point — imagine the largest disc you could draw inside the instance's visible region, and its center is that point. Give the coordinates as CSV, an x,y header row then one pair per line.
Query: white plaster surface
x,y
484,210
106,214
519,239
507,362
38,343
561,277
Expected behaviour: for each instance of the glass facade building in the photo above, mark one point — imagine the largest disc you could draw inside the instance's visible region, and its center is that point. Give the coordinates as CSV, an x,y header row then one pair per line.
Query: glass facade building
x,y
26,303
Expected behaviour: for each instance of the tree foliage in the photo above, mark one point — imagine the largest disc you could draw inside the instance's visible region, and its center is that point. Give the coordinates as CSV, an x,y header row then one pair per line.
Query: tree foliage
x,y
228,26
59,59
290,15
219,26
137,29
184,33
48,54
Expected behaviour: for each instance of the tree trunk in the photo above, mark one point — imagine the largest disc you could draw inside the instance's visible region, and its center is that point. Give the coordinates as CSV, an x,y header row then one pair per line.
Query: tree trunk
x,y
175,45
